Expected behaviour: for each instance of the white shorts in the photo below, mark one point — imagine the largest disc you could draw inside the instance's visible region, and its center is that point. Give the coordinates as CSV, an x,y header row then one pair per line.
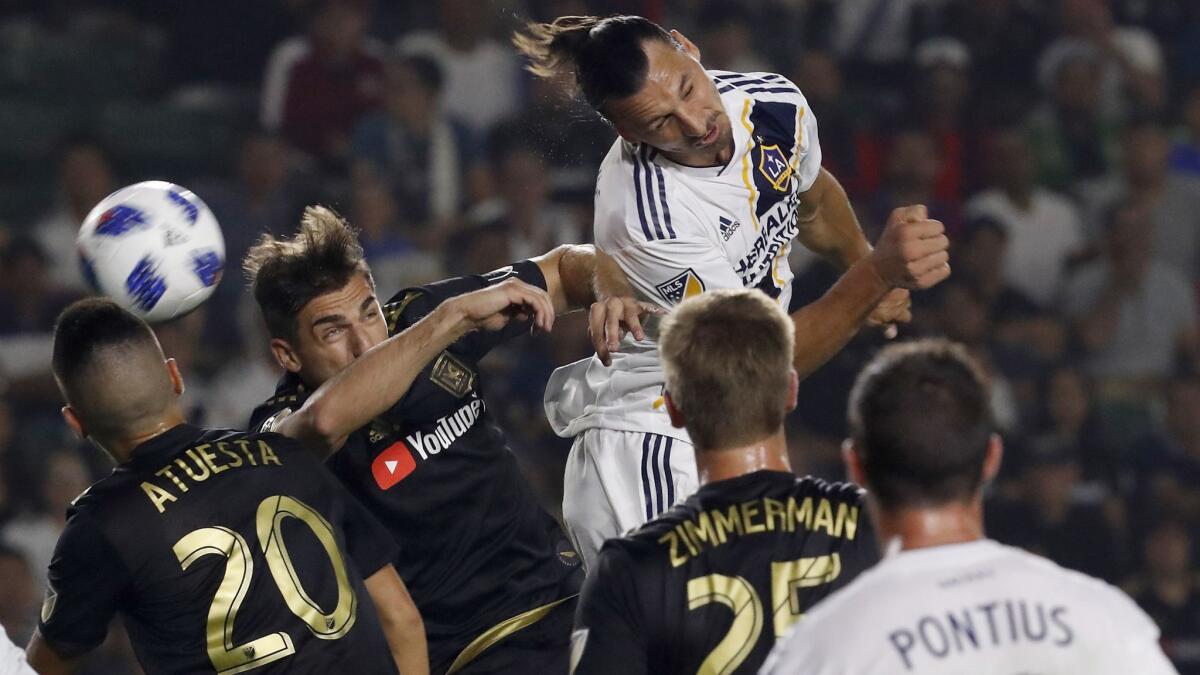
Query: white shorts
x,y
618,480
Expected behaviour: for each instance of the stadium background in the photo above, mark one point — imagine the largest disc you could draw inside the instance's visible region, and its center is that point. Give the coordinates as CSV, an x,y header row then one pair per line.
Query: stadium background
x,y
1059,140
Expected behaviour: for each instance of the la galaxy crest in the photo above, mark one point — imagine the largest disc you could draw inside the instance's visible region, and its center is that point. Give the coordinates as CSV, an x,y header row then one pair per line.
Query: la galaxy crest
x,y
773,165
681,287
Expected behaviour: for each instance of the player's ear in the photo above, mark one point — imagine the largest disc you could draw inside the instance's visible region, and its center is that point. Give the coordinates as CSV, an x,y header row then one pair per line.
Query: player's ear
x,y
285,355
73,421
689,47
176,377
991,461
854,468
677,420
793,390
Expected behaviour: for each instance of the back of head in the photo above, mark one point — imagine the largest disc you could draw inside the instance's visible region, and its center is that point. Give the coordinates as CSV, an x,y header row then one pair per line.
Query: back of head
x,y
920,418
727,355
110,369
604,54
285,274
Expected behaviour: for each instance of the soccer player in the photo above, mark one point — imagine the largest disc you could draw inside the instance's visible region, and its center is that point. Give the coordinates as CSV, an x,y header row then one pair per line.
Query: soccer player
x,y
709,585
490,570
713,176
945,599
222,551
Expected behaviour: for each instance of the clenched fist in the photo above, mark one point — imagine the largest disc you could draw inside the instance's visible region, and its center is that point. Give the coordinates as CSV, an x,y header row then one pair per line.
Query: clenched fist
x,y
913,251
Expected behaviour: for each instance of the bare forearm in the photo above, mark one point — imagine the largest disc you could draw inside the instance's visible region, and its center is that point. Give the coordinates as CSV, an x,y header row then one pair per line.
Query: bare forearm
x,y
373,383
43,659
828,225
569,271
400,620
825,326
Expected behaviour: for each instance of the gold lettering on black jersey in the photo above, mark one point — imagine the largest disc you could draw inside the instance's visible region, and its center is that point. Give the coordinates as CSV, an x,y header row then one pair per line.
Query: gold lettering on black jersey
x,y
715,527
200,463
452,375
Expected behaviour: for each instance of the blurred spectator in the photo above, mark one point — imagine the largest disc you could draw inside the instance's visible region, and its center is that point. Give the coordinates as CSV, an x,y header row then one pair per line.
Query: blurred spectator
x,y
477,67
19,599
912,170
522,206
849,148
726,39
1168,478
940,102
399,254
1130,58
260,198
318,85
567,133
1043,227
1168,589
424,156
1134,317
1172,199
1051,517
35,531
1072,140
980,257
1185,153
1066,420
873,36
29,300
85,176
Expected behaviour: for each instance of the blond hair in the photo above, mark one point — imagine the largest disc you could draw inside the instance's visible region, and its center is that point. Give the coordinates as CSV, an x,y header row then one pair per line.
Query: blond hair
x,y
727,355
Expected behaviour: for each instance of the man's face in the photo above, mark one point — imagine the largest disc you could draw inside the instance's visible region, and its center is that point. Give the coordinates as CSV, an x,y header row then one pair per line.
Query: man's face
x,y
335,328
677,110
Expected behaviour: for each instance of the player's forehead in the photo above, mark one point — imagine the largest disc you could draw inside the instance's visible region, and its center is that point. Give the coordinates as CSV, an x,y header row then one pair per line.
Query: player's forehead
x,y
666,69
346,301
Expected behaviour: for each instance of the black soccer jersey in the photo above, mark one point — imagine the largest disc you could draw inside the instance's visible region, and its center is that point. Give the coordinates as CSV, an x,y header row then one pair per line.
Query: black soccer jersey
x,y
476,549
710,585
223,552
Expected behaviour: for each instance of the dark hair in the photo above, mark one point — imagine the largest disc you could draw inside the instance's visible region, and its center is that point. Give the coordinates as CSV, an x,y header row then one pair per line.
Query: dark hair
x,y
427,70
605,53
286,274
921,420
87,327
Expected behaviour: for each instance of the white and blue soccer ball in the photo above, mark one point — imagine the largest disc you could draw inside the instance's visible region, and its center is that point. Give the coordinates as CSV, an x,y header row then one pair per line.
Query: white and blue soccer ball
x,y
154,248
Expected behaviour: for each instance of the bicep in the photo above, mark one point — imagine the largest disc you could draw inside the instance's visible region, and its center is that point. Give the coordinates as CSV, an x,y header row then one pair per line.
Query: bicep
x,y
390,596
86,581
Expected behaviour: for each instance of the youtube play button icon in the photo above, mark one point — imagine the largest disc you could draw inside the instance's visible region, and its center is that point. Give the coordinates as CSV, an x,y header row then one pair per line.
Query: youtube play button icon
x,y
393,465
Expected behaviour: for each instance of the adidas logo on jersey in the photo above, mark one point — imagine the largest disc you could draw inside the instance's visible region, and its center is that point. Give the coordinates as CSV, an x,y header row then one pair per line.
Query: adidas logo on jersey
x,y
728,227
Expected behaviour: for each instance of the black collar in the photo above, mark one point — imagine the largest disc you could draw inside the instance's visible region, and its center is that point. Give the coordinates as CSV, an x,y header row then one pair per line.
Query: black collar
x,y
170,441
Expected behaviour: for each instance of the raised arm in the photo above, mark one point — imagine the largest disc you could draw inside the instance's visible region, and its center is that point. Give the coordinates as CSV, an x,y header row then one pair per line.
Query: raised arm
x,y
380,377
400,620
911,254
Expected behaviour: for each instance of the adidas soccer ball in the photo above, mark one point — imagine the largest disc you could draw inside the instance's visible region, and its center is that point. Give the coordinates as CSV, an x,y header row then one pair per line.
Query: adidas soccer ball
x,y
154,248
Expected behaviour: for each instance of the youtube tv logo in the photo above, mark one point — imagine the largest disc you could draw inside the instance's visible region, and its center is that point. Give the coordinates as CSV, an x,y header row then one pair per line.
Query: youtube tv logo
x,y
393,465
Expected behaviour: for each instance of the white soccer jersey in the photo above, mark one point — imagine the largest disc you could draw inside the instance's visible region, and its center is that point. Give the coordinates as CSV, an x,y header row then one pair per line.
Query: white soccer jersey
x,y
980,608
676,231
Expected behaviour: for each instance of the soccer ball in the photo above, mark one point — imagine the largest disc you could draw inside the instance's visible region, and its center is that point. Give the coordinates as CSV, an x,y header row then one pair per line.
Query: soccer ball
x,y
154,248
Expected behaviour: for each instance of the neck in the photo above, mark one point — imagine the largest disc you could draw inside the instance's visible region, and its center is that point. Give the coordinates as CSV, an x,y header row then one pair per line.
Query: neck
x,y
925,527
767,454
122,449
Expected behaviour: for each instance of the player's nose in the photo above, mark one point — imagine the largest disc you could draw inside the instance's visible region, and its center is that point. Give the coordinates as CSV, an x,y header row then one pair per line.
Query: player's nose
x,y
694,125
360,341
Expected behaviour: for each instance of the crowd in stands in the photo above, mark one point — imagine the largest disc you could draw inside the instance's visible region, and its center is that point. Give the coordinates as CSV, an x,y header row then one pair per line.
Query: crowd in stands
x,y
1058,140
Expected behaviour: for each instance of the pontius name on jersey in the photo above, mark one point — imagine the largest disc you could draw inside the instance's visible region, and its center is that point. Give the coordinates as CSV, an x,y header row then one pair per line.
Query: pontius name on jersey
x,y
677,231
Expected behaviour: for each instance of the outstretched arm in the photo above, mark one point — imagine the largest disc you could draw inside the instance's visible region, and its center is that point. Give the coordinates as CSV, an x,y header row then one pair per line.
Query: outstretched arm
x,y
377,379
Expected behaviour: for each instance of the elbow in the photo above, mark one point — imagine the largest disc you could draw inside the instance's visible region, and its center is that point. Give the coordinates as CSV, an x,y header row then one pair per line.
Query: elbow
x,y
321,428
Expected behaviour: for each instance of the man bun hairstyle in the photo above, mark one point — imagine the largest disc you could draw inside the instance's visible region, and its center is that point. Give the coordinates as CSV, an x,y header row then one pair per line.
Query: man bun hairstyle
x,y
286,274
920,416
604,54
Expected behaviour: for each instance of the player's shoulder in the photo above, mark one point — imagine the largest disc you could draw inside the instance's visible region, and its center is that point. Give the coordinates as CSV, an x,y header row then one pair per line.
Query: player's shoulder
x,y
758,85
396,306
1080,587
635,198
290,394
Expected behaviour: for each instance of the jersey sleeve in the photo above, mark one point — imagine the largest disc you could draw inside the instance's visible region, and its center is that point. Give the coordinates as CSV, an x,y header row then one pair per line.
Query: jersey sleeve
x,y
609,637
411,305
86,581
368,543
808,148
